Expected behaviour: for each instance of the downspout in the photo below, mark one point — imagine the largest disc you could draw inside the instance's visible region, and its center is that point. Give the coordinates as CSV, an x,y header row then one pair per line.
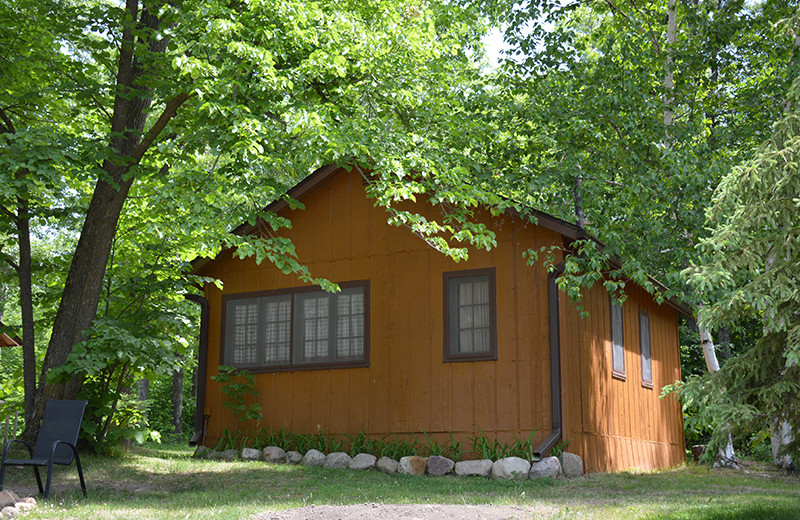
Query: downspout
x,y
199,418
555,364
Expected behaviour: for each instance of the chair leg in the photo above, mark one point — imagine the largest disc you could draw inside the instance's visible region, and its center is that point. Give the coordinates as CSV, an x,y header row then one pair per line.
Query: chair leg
x,y
2,475
80,473
38,479
49,478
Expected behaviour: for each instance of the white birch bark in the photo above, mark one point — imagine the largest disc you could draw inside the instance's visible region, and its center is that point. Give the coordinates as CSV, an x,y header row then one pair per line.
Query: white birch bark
x,y
727,456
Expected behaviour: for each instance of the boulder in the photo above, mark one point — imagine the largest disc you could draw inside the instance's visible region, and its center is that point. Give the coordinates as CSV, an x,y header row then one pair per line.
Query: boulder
x,y
511,468
313,458
363,461
571,464
229,455
250,454
481,468
438,466
412,465
294,457
8,498
274,454
9,512
202,452
337,460
24,507
387,465
547,467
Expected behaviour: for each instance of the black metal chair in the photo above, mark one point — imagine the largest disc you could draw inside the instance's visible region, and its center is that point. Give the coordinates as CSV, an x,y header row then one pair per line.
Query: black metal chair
x,y
55,445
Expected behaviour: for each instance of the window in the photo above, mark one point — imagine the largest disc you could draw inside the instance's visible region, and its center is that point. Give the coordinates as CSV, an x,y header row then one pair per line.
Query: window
x,y
297,328
470,315
617,341
644,343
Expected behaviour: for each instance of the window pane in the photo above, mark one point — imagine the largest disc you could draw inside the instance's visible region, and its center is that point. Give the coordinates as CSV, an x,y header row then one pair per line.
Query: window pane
x,y
470,310
481,291
277,323
350,324
618,348
465,340
315,326
644,333
245,332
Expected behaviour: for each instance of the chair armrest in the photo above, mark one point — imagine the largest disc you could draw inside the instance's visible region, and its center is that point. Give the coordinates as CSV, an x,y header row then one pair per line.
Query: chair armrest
x,y
55,445
18,441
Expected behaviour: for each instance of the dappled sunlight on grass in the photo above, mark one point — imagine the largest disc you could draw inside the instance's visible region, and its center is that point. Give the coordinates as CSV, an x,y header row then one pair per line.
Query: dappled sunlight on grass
x,y
146,484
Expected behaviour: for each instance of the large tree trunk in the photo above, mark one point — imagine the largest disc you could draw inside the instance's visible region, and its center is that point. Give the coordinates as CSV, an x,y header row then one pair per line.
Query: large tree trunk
x,y
128,143
24,272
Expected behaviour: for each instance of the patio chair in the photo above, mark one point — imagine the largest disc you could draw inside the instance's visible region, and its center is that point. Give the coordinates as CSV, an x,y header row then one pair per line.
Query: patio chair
x,y
55,444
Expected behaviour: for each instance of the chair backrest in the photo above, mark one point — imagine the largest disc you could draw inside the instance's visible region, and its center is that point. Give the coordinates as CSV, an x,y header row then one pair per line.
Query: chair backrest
x,y
61,422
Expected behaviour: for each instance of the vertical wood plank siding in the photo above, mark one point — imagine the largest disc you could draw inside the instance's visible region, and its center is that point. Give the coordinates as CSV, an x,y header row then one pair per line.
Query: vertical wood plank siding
x,y
408,389
619,424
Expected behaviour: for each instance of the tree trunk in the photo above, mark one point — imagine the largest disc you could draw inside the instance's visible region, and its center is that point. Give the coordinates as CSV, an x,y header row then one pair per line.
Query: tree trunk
x,y
143,390
24,272
726,456
177,401
128,144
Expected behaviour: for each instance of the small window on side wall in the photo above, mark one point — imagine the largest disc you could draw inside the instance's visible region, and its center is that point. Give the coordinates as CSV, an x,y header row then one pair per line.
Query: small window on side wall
x,y
470,315
617,341
644,343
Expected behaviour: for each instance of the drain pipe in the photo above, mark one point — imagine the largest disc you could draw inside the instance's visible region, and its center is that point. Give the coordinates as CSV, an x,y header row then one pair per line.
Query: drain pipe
x,y
199,418
555,365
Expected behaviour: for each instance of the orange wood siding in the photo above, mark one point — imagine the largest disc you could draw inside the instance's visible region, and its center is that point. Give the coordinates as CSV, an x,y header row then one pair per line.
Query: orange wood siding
x,y
616,424
407,388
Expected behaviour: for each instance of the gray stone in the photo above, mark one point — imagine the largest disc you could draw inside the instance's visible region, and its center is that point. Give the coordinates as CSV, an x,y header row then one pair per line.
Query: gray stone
x,y
571,464
24,507
481,468
313,458
10,512
229,455
438,466
8,498
511,468
294,457
250,454
202,452
547,467
274,454
363,461
387,465
337,460
412,465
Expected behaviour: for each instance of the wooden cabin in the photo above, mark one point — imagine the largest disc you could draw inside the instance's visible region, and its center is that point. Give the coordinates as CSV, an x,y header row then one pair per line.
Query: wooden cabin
x,y
420,343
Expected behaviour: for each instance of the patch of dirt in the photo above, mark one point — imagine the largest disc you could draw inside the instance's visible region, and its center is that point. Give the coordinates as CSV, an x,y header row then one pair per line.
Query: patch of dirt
x,y
371,511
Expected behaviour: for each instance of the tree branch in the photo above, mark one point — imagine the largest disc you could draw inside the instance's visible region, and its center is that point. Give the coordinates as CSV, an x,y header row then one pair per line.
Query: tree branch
x,y
166,116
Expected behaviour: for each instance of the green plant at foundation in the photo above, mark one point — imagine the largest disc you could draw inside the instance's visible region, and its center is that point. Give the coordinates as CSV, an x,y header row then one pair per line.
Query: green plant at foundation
x,y
324,442
488,448
559,448
358,443
523,448
451,449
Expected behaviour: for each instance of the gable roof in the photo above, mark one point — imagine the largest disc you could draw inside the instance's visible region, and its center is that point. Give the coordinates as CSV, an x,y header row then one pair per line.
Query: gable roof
x,y
545,220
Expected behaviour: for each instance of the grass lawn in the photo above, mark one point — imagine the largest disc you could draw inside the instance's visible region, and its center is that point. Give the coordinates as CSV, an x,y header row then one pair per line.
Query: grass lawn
x,y
165,482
